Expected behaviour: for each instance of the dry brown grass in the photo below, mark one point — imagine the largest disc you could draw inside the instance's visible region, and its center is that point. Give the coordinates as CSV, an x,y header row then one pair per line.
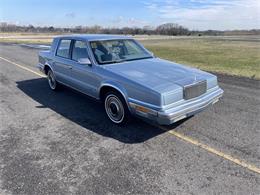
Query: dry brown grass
x,y
234,55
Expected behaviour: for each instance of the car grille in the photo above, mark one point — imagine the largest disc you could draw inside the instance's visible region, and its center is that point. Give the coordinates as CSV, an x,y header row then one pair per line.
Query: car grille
x,y
195,90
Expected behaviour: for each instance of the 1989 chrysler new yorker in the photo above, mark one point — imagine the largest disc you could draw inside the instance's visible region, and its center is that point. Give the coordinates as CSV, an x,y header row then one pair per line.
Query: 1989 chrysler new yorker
x,y
129,79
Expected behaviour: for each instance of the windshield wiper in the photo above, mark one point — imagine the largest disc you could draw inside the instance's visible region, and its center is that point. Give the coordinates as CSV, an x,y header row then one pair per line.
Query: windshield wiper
x,y
118,61
114,61
124,60
139,58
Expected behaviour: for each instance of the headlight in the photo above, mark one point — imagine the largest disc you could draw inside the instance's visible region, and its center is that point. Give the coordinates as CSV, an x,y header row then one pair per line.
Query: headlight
x,y
212,82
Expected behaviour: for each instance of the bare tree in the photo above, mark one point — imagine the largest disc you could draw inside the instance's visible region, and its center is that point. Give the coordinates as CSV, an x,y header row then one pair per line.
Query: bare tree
x,y
171,29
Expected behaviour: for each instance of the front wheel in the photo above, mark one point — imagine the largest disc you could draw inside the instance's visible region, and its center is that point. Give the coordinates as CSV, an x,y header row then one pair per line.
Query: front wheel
x,y
116,108
52,81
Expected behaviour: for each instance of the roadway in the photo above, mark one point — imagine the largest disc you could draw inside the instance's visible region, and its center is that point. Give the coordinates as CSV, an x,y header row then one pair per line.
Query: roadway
x,y
62,142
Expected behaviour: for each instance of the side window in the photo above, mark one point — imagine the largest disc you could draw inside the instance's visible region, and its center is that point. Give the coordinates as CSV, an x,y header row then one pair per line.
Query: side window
x,y
64,48
79,50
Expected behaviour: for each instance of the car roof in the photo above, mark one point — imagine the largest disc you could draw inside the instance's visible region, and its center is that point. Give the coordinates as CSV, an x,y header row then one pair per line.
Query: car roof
x,y
94,37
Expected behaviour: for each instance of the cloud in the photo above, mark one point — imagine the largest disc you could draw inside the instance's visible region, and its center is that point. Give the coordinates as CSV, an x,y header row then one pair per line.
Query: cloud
x,y
129,22
70,15
209,14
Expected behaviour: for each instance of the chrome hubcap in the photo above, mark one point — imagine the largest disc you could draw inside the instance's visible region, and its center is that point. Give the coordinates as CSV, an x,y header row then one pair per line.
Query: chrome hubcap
x,y
114,109
51,80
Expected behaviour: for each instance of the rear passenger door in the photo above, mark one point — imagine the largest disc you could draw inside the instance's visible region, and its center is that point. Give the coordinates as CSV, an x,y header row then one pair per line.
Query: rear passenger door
x,y
62,63
84,78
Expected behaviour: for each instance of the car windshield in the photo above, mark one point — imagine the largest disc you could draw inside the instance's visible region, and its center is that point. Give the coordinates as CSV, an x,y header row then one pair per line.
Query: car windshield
x,y
115,51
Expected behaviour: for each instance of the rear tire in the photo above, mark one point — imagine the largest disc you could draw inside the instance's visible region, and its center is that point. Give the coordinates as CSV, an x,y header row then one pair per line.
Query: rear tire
x,y
53,84
116,108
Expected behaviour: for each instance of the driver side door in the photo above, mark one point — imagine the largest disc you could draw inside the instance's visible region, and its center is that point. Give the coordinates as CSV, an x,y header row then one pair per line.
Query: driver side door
x,y
84,77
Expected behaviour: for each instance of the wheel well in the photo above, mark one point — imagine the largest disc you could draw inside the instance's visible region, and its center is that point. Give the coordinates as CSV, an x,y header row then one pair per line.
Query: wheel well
x,y
46,69
105,90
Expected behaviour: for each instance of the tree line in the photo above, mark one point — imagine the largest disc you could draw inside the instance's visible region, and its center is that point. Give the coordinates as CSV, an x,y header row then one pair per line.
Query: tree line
x,y
170,29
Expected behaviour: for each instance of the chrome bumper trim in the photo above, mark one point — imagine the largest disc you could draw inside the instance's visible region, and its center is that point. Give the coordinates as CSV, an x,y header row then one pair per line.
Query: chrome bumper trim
x,y
185,110
179,112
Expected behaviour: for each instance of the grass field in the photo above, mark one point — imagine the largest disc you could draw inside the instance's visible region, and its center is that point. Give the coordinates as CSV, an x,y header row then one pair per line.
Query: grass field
x,y
234,55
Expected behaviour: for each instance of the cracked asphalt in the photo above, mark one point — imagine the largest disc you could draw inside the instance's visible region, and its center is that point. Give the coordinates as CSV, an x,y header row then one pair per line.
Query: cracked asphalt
x,y
62,142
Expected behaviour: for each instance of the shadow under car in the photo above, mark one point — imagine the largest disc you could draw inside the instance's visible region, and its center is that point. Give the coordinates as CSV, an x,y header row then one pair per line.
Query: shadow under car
x,y
88,113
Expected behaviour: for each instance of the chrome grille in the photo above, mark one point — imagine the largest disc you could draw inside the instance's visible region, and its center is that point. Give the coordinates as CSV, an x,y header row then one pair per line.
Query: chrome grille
x,y
195,90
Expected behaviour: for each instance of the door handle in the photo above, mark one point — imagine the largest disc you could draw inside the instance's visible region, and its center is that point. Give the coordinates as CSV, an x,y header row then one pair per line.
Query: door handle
x,y
69,67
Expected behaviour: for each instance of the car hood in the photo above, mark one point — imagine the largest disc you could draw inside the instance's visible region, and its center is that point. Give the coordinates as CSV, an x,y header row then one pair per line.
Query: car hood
x,y
160,75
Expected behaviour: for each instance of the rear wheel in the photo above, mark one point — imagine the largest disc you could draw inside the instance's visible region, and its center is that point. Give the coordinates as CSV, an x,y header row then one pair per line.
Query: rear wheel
x,y
116,108
51,80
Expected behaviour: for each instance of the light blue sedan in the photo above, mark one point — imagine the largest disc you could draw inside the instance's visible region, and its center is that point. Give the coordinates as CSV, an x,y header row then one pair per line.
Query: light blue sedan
x,y
127,78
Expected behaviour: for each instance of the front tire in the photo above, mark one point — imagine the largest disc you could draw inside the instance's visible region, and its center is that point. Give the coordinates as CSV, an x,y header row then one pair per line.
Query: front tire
x,y
116,108
53,84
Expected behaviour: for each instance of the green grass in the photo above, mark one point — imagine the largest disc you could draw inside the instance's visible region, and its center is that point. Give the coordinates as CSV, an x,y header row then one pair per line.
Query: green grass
x,y
228,56
234,55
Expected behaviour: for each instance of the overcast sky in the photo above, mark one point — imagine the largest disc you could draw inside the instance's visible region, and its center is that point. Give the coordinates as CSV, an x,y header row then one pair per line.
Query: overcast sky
x,y
194,14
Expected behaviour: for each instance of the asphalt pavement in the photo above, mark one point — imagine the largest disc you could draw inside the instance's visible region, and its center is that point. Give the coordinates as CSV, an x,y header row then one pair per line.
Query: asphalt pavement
x,y
62,142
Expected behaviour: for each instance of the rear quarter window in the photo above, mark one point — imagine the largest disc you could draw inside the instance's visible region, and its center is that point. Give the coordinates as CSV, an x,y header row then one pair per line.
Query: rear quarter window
x,y
63,49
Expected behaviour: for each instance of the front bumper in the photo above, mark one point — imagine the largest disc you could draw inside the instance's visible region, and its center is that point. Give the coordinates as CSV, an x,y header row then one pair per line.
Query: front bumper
x,y
182,110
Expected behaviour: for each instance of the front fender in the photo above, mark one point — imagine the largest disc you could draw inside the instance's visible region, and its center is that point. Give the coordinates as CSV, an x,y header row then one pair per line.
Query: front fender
x,y
116,86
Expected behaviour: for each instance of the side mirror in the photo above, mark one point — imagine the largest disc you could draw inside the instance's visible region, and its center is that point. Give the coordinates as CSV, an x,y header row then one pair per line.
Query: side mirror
x,y
84,61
